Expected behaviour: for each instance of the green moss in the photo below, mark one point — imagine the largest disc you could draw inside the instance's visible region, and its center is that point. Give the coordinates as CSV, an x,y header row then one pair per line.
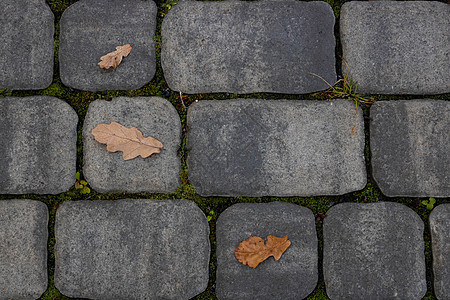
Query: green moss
x,y
369,194
186,191
438,97
336,6
5,93
52,293
54,90
166,6
114,94
80,101
318,294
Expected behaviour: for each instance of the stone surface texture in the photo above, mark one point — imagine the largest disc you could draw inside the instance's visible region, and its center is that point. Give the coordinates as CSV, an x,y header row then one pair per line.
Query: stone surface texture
x,y
23,249
108,172
26,44
281,148
131,249
93,28
397,47
410,142
245,47
38,150
373,251
440,238
293,276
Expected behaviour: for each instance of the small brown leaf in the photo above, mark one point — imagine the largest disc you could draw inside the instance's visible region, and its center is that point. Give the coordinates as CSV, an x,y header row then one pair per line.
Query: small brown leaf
x,y
113,59
253,251
128,140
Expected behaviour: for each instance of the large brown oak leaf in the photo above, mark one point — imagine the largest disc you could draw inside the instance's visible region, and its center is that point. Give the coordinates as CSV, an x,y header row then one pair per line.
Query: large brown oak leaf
x,y
254,250
113,59
128,140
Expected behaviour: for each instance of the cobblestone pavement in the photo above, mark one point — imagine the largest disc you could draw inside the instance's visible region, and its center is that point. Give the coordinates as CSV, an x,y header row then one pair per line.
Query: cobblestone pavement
x,y
144,248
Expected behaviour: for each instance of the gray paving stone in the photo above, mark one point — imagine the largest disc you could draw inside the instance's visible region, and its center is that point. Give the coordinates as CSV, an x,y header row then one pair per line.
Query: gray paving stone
x,y
244,47
281,148
131,249
373,251
93,28
23,249
397,47
26,44
38,151
108,172
440,238
409,141
294,276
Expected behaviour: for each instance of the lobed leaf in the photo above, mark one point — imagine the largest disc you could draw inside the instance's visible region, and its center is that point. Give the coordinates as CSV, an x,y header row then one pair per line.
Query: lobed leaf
x,y
254,250
113,59
128,140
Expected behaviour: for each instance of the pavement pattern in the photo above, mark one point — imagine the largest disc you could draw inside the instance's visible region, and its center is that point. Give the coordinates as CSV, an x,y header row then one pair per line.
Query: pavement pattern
x,y
160,249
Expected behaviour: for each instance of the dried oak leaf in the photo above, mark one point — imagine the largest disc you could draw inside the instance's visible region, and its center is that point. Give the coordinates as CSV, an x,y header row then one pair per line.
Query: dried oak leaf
x,y
128,140
253,251
113,59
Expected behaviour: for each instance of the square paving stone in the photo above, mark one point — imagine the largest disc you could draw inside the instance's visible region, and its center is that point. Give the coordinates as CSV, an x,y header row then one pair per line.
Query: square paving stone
x,y
280,148
410,142
23,249
397,47
93,28
246,47
440,238
38,145
108,172
373,251
293,276
131,249
26,44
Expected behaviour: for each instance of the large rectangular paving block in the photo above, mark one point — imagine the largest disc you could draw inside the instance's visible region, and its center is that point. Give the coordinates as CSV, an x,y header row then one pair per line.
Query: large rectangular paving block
x,y
93,28
131,249
279,148
245,47
26,44
293,276
397,47
23,249
440,238
109,172
410,142
38,145
373,251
